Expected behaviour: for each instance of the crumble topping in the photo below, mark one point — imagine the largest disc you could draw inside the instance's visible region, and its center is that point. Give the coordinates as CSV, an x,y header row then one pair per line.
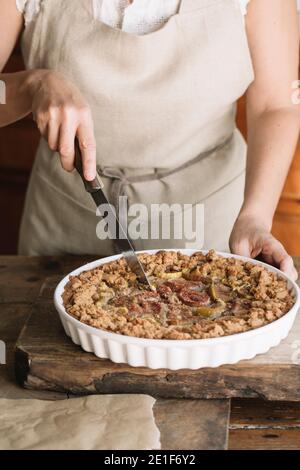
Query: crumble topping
x,y
194,297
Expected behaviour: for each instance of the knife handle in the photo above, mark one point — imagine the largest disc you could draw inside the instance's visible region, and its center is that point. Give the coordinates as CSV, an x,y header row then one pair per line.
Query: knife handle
x,y
90,186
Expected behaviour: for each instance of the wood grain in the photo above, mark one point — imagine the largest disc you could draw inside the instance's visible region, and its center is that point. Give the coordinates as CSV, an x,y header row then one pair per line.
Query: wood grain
x,y
21,277
248,414
18,144
192,424
14,154
257,424
12,319
286,224
46,359
292,186
264,439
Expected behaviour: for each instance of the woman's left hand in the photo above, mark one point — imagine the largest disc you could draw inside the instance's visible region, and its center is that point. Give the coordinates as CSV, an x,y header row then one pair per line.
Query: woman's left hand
x,y
251,237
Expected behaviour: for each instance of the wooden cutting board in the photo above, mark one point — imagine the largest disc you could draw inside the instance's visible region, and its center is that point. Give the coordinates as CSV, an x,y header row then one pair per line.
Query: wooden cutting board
x,y
46,359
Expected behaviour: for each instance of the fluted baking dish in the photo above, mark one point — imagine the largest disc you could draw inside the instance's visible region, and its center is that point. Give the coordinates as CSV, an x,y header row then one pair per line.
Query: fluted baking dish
x,y
176,354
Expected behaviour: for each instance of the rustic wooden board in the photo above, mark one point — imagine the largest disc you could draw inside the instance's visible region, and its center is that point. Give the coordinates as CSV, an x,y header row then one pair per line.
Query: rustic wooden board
x,y
21,277
257,424
192,424
46,359
264,439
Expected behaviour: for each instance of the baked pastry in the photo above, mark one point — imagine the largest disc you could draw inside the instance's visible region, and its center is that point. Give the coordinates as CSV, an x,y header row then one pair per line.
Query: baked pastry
x,y
194,297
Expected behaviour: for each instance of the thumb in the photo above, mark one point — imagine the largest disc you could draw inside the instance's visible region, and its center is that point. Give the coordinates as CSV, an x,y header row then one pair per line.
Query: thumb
x,y
287,266
241,247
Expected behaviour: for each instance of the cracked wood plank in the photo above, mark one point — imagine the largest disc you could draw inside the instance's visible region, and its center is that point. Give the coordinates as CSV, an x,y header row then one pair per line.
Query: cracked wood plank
x,y
264,439
257,414
256,424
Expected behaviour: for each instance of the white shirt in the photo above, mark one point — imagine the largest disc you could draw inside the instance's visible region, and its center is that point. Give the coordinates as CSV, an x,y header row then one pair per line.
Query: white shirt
x,y
139,17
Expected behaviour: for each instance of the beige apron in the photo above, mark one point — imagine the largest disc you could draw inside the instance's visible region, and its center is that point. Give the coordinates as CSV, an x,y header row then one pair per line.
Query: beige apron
x,y
164,111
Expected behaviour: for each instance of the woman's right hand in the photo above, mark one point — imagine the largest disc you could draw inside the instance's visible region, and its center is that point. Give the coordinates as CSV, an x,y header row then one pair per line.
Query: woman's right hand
x,y
61,114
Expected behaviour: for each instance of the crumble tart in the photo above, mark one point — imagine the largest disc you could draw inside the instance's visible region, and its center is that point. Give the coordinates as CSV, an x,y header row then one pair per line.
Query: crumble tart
x,y
194,297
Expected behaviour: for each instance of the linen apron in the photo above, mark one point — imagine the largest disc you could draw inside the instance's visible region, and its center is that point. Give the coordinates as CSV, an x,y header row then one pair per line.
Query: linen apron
x,y
164,108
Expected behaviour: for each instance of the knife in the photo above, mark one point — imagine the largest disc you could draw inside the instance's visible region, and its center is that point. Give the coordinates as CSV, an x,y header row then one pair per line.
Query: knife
x,y
124,245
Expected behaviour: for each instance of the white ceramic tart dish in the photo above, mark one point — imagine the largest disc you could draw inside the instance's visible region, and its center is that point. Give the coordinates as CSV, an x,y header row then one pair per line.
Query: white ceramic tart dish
x,y
176,354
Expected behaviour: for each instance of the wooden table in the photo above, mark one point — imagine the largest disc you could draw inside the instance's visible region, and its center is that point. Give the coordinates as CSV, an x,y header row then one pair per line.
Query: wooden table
x,y
185,423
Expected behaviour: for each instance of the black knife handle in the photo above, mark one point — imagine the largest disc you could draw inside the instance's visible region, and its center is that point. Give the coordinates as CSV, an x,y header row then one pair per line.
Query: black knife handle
x,y
123,244
90,186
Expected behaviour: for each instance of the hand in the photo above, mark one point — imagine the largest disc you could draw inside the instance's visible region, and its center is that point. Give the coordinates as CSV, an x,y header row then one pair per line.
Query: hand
x,y
251,237
62,114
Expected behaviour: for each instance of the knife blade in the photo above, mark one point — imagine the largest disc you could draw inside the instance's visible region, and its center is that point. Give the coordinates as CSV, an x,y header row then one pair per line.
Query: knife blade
x,y
124,244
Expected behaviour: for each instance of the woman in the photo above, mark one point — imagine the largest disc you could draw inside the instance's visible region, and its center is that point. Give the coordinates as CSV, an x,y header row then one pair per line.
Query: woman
x,y
152,86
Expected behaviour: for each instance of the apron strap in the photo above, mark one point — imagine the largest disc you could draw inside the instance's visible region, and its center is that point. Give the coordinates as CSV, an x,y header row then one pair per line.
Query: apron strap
x,y
120,180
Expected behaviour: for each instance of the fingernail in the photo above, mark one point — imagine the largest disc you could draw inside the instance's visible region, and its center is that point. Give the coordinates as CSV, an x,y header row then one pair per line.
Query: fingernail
x,y
90,175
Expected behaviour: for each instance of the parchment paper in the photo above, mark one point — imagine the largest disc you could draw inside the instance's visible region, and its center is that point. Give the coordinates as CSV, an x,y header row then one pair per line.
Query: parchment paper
x,y
106,422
